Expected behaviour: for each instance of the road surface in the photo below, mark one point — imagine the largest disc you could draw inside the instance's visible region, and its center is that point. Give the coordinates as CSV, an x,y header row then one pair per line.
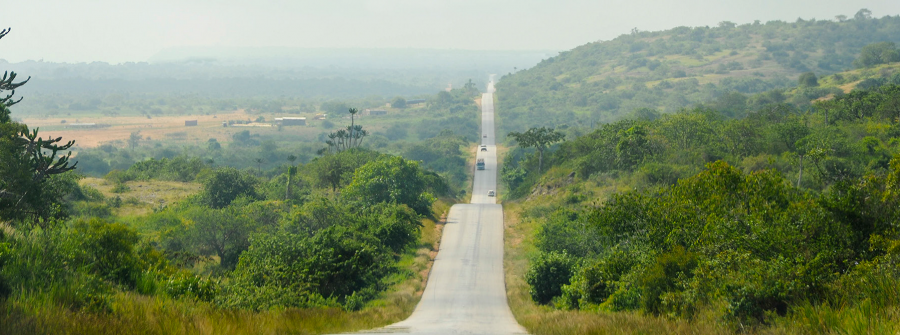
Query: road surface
x,y
466,292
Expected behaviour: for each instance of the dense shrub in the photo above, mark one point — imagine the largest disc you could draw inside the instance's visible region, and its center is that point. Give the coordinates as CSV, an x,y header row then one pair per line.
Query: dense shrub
x,y
333,263
548,273
664,276
391,180
107,249
592,284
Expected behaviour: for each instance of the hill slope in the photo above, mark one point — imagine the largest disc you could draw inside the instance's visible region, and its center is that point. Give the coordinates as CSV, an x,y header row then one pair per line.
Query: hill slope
x,y
667,70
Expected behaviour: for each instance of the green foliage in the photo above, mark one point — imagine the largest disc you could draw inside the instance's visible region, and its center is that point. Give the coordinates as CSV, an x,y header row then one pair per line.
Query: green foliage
x,y
538,138
391,180
444,155
107,249
661,279
547,275
752,242
336,170
222,186
808,79
877,53
29,166
593,284
192,286
334,263
663,70
398,102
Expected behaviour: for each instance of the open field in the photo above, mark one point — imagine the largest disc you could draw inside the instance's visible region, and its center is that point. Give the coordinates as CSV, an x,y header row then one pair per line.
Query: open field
x,y
117,129
121,127
143,196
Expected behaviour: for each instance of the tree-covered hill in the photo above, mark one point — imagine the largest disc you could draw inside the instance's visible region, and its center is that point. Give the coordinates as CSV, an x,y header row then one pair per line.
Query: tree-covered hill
x,y
666,70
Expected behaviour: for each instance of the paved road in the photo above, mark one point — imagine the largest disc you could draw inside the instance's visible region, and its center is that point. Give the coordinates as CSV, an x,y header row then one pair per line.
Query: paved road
x,y
466,292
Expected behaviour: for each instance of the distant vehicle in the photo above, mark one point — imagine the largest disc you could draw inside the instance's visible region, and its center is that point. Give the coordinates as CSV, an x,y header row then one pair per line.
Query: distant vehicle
x,y
491,193
484,136
483,147
480,163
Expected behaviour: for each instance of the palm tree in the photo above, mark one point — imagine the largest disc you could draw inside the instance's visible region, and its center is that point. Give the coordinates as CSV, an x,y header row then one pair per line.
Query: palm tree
x,y
353,112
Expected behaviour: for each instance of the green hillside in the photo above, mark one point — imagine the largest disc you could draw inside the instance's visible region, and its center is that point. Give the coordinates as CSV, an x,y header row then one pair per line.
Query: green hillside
x,y
770,208
668,70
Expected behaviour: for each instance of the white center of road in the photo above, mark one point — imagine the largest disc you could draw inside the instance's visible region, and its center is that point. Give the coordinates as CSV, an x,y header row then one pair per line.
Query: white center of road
x,y
466,293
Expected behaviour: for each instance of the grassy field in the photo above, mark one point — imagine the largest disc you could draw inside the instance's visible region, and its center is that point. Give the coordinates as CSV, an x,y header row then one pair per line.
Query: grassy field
x,y
143,196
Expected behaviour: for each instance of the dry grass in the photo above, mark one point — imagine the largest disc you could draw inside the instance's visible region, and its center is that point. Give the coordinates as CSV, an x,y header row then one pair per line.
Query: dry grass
x,y
144,195
133,314
121,127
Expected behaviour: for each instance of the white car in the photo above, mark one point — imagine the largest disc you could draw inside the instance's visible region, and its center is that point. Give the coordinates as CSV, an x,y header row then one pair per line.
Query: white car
x,y
491,193
483,147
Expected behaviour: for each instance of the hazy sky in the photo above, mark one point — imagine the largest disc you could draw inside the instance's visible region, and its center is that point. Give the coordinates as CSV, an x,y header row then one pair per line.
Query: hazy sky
x,y
131,30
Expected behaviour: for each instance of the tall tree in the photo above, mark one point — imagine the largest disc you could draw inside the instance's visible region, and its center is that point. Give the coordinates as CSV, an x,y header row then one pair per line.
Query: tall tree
x,y
7,83
27,161
224,185
353,112
134,139
538,138
344,139
391,180
292,170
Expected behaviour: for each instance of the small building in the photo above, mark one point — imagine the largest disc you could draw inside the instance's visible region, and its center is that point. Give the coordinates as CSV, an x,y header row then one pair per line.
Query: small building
x,y
190,123
415,101
374,112
291,121
319,116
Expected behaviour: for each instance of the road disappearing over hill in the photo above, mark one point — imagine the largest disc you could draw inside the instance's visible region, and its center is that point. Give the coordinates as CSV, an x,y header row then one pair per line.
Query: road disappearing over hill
x,y
466,292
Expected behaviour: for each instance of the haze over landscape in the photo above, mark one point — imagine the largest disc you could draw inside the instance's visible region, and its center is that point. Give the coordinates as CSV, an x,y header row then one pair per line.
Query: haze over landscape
x,y
450,167
115,31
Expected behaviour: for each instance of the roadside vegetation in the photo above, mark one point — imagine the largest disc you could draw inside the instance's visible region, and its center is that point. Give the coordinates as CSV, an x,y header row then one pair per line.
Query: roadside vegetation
x,y
181,244
729,216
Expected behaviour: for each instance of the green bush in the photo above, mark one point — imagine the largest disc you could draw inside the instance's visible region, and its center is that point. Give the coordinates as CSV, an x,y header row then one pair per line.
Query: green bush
x,y
664,276
107,250
91,209
335,263
761,288
224,185
391,180
5,254
184,284
664,174
595,283
120,188
548,273
119,176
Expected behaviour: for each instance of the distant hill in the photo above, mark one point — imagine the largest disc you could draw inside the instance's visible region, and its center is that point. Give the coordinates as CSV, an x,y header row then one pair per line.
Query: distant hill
x,y
667,70
276,72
